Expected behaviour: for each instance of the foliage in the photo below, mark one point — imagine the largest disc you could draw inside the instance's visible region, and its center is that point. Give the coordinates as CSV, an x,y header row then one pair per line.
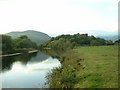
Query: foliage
x,y
62,44
10,45
117,42
109,42
86,67
24,42
69,41
35,36
7,44
65,76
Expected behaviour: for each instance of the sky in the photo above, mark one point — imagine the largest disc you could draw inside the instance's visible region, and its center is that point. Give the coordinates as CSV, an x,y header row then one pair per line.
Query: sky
x,y
56,17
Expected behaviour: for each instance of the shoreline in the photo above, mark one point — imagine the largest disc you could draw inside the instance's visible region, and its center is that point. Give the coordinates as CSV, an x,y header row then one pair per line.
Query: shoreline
x,y
15,54
94,65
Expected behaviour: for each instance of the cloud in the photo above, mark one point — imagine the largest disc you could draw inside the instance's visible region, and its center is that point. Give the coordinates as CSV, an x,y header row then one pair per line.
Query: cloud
x,y
52,16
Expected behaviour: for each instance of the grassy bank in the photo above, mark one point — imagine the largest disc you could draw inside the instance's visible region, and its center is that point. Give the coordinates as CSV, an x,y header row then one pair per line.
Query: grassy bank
x,y
87,67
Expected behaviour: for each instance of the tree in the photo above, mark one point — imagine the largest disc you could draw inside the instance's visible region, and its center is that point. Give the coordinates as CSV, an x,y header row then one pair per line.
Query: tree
x,y
23,37
117,41
7,44
70,41
109,42
97,42
24,42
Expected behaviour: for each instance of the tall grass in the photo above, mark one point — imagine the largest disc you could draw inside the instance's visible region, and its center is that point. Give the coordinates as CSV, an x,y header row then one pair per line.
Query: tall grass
x,y
87,67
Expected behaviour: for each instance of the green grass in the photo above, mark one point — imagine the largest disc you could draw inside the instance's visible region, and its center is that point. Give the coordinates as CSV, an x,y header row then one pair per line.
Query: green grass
x,y
0,52
101,67
87,67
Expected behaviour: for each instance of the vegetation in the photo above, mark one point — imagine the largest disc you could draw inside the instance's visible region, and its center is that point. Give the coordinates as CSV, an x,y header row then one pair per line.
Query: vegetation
x,y
7,44
62,44
86,67
70,41
87,62
117,42
22,43
35,36
8,61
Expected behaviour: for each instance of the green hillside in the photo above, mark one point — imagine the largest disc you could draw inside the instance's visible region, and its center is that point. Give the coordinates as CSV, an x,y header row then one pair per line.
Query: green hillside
x,y
35,36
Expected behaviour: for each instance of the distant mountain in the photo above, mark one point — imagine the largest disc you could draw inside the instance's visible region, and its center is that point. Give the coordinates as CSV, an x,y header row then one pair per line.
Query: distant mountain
x,y
35,36
109,37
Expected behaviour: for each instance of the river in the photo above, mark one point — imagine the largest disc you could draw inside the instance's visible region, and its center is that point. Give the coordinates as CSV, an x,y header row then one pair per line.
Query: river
x,y
27,71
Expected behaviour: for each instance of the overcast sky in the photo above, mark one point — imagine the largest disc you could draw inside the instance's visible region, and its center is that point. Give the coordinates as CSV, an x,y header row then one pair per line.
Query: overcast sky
x,y
58,16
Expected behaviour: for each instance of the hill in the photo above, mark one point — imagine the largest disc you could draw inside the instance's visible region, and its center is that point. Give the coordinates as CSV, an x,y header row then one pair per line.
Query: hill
x,y
35,36
109,37
68,41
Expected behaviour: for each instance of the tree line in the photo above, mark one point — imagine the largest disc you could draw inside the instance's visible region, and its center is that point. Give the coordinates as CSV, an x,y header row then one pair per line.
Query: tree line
x,y
70,41
20,44
62,42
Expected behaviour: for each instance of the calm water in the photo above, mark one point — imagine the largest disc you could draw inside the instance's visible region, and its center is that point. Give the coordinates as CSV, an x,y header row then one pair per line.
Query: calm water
x,y
27,71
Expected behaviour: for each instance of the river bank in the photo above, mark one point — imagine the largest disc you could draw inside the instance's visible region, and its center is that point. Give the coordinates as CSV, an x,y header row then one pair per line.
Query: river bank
x,y
86,67
15,54
27,70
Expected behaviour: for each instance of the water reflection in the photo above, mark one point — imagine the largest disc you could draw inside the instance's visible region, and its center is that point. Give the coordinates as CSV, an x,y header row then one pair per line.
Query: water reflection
x,y
27,71
8,61
39,57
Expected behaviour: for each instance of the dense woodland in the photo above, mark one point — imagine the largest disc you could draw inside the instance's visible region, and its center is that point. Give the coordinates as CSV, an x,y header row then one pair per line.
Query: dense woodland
x,y
70,41
22,43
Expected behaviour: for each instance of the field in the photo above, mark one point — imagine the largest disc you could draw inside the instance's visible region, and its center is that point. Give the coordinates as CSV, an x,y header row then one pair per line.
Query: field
x,y
87,67
101,67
